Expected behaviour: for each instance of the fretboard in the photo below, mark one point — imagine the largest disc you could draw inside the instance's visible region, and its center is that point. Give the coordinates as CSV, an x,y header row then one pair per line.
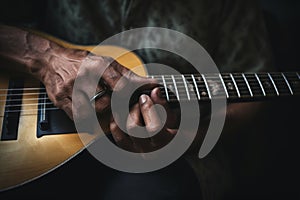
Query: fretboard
x,y
233,86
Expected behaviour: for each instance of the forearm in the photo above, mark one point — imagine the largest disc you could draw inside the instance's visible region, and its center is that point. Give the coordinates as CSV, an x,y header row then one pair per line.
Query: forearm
x,y
32,52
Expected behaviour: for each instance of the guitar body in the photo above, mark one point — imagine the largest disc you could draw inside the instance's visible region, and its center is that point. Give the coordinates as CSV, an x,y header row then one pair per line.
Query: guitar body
x,y
29,157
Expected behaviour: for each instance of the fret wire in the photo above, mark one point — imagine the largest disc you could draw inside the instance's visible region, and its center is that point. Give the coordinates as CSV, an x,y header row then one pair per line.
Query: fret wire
x,y
235,85
174,82
251,94
165,86
196,86
263,90
288,84
276,90
205,82
224,85
187,91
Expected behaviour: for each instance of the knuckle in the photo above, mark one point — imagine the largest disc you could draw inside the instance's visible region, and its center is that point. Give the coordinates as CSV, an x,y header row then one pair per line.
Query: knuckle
x,y
121,84
113,127
146,106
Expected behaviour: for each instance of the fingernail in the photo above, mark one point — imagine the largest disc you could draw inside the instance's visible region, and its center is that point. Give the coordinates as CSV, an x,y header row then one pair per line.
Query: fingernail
x,y
143,99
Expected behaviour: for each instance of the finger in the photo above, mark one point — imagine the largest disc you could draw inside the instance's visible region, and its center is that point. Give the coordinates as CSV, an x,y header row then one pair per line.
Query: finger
x,y
173,115
113,78
121,139
150,116
102,104
135,128
153,121
157,98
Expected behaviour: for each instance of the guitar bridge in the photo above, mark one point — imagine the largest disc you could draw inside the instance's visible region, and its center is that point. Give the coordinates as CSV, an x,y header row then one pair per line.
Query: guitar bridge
x,y
51,120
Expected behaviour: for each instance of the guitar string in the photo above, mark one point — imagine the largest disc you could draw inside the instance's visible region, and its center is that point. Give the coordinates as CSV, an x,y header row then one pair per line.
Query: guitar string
x,y
27,99
30,110
13,89
22,94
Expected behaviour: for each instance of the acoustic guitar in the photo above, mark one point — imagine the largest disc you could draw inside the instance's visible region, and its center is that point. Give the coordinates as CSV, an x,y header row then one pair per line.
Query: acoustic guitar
x,y
36,137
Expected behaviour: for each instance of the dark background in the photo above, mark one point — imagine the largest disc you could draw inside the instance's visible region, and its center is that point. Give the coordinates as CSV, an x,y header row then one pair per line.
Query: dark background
x,y
282,19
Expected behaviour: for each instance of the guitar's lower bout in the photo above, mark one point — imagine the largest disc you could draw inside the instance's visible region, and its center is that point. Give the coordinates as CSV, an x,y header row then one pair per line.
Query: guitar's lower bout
x,y
28,156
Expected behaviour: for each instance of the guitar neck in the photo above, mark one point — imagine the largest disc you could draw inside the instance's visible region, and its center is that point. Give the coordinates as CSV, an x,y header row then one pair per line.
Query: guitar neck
x,y
232,86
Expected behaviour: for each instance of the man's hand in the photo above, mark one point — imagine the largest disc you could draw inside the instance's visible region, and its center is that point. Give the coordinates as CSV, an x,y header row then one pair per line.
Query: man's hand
x,y
144,114
63,67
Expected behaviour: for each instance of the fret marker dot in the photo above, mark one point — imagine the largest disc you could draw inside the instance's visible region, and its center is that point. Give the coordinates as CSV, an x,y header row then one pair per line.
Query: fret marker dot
x,y
203,93
191,87
267,84
230,86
